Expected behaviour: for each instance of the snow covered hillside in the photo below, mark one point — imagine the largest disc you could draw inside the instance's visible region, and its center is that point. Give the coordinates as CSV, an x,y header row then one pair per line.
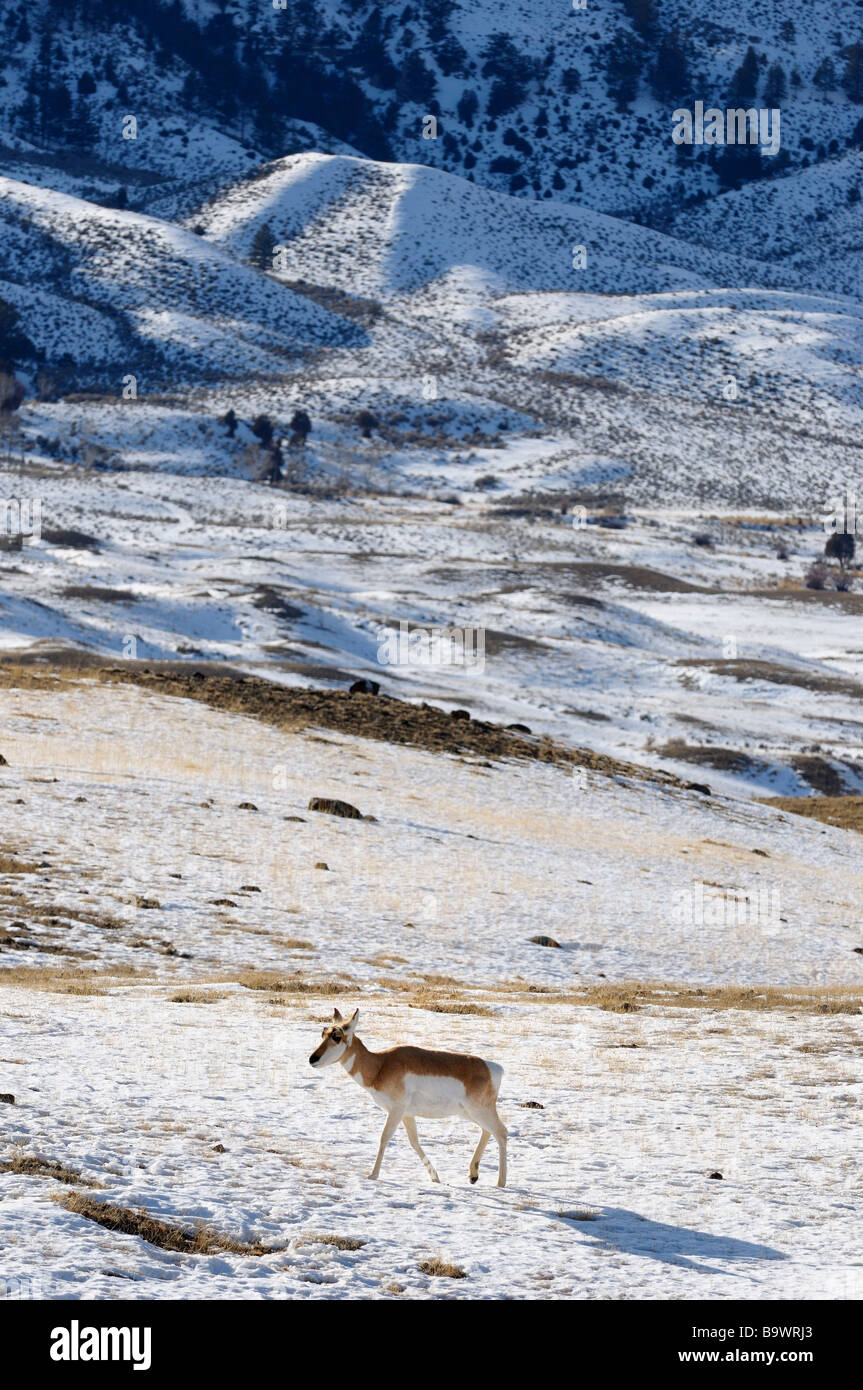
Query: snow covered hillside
x,y
532,97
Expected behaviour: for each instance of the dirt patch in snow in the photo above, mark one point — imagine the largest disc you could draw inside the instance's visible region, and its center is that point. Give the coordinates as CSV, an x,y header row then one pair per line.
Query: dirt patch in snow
x,y
844,811
823,775
741,669
713,755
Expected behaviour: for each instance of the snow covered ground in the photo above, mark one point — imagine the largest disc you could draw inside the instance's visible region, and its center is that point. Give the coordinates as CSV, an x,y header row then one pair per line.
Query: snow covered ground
x,y
179,951
609,1193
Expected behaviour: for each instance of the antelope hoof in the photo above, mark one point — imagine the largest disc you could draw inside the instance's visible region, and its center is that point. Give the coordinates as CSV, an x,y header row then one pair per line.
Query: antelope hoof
x,y
474,1177
372,1175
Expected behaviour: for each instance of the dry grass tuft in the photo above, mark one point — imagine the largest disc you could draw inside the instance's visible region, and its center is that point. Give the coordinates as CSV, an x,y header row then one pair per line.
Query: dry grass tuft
x,y
30,1165
289,984
195,996
433,1003
441,1269
197,1240
340,1242
10,865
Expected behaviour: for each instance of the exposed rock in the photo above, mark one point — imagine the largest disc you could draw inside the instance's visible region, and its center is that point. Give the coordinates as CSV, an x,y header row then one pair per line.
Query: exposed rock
x,y
335,808
364,687
545,941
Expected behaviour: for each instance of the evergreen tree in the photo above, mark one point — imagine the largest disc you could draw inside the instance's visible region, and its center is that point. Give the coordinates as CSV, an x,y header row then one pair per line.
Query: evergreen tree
x,y
263,245
262,428
643,16
416,82
825,76
739,164
670,77
852,77
450,56
506,95
468,105
744,83
624,58
371,54
840,546
776,86
367,422
300,427
14,343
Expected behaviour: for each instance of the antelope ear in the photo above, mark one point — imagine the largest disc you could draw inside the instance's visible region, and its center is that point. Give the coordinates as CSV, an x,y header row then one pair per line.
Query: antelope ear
x,y
355,1015
337,1016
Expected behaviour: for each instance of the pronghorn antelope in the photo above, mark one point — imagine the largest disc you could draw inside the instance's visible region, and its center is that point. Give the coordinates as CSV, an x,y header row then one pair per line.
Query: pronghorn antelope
x,y
408,1082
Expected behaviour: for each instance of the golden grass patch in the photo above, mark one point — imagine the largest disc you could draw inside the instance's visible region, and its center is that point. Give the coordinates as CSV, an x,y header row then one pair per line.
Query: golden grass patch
x,y
289,984
30,1165
195,996
198,1239
846,812
69,980
340,1242
10,864
442,1269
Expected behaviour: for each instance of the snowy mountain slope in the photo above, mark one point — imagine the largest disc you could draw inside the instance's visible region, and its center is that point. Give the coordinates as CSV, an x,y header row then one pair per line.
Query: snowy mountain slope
x,y
811,223
494,278
534,99
393,229
177,301
440,252
639,364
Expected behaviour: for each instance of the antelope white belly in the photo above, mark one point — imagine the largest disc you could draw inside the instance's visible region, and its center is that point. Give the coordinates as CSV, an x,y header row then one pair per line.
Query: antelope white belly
x,y
432,1097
